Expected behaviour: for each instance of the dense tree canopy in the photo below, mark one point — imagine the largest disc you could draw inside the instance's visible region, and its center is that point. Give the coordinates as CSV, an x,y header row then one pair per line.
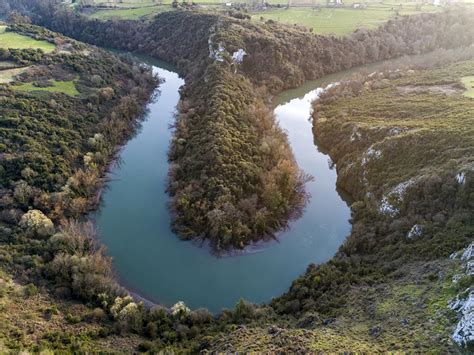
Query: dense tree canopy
x,y
233,178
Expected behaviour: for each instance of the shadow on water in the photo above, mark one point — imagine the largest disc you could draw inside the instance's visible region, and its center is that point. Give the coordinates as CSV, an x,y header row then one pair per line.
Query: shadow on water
x,y
134,221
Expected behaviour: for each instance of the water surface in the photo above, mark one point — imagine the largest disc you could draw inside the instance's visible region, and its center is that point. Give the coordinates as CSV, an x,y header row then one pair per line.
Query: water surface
x,y
134,221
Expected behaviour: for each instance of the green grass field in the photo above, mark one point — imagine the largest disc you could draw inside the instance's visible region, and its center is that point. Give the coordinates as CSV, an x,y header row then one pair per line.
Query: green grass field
x,y
130,14
128,3
17,41
145,3
65,87
340,21
468,82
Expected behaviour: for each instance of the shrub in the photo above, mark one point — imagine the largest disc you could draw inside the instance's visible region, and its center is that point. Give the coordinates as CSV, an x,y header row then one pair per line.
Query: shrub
x,y
86,276
73,319
179,310
3,288
146,346
243,311
30,290
37,224
151,330
128,314
200,316
97,315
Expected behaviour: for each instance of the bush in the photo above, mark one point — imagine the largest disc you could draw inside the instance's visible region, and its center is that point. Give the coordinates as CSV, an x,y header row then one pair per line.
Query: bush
x,y
30,290
180,310
201,316
73,319
243,311
86,276
97,315
128,314
3,288
37,224
146,346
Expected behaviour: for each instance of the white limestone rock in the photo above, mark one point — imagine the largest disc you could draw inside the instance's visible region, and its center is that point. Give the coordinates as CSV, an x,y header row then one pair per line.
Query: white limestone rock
x,y
464,332
415,231
468,253
461,178
238,56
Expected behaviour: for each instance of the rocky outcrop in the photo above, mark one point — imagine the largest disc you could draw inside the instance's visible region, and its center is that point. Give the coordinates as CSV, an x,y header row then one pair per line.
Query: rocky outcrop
x,y
463,304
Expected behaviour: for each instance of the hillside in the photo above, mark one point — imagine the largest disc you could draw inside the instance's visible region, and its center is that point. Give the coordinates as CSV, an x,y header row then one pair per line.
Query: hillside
x,y
242,192
403,145
402,142
65,108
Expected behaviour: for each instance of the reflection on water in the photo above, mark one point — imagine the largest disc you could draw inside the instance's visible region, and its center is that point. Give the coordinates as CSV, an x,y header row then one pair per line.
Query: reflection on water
x,y
134,221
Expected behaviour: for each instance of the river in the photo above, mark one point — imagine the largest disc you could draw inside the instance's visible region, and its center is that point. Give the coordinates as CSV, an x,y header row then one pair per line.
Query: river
x,y
134,221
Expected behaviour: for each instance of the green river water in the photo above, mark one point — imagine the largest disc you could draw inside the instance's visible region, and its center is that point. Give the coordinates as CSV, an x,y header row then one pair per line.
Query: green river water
x,y
134,220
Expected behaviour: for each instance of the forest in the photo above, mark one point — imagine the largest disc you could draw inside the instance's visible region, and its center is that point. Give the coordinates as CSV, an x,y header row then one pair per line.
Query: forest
x,y
47,145
233,179
239,193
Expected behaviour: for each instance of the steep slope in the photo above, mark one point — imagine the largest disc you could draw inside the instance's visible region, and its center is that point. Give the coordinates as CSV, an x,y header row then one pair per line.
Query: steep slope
x,y
63,115
245,184
403,145
388,287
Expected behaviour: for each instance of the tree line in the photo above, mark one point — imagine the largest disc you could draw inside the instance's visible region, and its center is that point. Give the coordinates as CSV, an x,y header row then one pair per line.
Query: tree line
x,y
233,178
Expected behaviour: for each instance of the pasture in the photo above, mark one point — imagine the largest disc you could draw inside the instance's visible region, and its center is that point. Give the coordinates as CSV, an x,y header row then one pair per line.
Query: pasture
x,y
468,82
340,21
130,13
65,87
12,40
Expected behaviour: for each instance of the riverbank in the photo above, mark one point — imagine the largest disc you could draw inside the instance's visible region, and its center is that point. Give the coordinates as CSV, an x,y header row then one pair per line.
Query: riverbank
x,y
59,133
256,274
411,176
229,78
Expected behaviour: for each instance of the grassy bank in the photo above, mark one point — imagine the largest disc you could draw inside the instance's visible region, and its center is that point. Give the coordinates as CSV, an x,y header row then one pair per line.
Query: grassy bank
x,y
341,21
233,179
401,140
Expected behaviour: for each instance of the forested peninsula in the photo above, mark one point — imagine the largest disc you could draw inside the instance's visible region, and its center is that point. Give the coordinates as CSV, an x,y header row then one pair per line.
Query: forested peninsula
x,y
245,184
398,283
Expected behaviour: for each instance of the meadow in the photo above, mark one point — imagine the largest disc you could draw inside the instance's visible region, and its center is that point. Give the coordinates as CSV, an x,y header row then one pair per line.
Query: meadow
x,y
130,13
338,21
7,75
13,40
126,4
468,82
65,87
341,21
